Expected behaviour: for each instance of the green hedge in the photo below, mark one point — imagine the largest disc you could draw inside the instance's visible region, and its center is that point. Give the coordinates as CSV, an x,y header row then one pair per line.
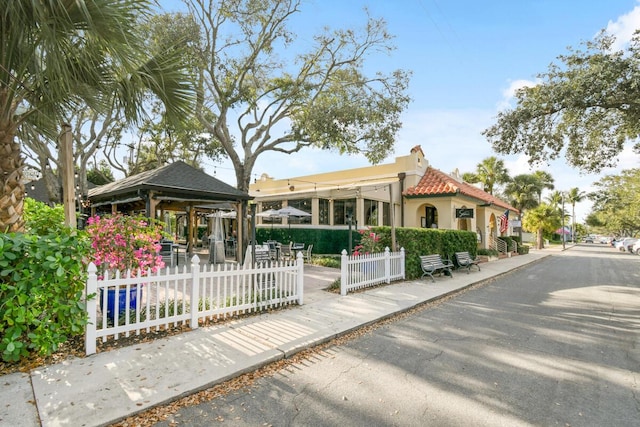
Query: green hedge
x,y
324,241
427,241
415,241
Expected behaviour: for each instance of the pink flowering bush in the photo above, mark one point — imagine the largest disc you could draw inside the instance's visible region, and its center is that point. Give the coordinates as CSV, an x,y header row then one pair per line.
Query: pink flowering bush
x,y
121,243
368,243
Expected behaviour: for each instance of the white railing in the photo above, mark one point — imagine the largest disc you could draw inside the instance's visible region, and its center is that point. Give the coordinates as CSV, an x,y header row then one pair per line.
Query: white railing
x,y
501,245
167,298
361,271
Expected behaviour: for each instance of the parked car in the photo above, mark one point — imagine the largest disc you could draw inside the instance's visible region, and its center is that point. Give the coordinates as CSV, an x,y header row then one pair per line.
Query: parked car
x,y
625,244
636,247
588,239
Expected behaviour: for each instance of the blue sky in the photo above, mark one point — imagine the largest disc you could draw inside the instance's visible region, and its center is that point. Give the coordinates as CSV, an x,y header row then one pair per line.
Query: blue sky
x,y
467,57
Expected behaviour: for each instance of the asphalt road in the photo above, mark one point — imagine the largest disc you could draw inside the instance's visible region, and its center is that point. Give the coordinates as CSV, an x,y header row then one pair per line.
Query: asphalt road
x,y
555,343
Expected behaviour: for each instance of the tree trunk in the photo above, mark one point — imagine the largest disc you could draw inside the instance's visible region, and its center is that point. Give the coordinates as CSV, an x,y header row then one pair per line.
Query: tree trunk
x,y
539,239
12,190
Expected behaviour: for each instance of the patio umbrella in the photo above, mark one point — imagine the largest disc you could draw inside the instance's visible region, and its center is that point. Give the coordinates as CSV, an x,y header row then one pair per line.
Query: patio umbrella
x,y
270,213
562,230
290,211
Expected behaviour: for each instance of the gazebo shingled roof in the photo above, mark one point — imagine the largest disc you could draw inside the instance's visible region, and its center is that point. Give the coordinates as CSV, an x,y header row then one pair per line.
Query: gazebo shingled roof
x,y
177,179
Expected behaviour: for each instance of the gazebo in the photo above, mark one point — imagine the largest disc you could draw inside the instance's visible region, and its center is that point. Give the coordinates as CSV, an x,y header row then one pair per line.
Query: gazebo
x,y
176,187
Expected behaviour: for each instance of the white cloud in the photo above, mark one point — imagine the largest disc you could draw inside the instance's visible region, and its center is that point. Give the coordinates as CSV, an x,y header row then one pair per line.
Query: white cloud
x,y
624,27
509,93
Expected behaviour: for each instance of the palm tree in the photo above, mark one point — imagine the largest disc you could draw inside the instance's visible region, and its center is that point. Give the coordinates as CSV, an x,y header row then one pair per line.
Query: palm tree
x,y
56,56
522,192
489,172
555,199
541,218
545,181
574,195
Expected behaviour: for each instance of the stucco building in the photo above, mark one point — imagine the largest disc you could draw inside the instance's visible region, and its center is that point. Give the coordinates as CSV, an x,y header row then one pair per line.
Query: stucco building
x,y
407,193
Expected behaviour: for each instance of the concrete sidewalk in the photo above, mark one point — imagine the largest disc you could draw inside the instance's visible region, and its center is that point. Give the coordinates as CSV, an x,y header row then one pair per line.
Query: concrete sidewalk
x,y
107,387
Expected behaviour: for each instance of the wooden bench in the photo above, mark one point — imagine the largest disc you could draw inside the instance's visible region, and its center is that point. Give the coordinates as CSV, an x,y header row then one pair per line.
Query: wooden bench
x,y
435,264
463,259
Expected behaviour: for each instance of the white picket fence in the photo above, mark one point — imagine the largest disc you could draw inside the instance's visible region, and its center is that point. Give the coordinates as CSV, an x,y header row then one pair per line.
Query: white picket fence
x,y
361,271
168,297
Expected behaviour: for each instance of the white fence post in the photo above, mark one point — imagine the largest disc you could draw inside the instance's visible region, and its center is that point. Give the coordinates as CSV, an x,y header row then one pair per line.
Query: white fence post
x,y
387,265
402,266
90,330
300,264
344,276
195,291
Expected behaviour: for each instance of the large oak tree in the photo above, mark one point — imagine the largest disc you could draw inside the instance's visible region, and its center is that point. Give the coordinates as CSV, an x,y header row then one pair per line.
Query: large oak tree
x,y
267,93
586,106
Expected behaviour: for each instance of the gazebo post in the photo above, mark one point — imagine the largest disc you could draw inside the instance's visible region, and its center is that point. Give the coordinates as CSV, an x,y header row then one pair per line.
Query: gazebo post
x,y
241,237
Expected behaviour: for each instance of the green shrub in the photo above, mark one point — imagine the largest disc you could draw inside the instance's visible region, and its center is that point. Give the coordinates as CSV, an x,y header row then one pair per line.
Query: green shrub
x,y
426,241
42,219
523,249
327,261
42,280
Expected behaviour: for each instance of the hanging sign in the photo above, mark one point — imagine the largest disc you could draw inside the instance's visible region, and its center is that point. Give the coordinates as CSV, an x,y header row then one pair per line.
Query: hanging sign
x,y
464,213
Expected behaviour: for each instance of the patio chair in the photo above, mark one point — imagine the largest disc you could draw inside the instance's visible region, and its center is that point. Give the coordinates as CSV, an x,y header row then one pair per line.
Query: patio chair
x,y
166,252
285,252
306,255
273,249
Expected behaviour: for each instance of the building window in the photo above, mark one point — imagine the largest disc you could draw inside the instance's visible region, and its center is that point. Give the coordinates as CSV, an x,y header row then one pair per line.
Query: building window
x,y
371,212
431,216
386,214
323,211
275,205
305,206
343,209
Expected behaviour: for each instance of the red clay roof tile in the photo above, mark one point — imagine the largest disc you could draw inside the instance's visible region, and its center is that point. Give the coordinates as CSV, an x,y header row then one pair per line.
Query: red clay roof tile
x,y
437,183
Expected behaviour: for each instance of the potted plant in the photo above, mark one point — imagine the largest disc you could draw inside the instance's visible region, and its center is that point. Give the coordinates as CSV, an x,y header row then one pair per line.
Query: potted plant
x,y
126,245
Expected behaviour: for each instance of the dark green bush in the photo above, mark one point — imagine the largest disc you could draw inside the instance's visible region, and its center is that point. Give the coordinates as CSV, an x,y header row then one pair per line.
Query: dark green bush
x,y
523,249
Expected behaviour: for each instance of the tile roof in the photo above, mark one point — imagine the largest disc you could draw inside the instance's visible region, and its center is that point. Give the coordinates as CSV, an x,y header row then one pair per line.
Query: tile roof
x,y
437,183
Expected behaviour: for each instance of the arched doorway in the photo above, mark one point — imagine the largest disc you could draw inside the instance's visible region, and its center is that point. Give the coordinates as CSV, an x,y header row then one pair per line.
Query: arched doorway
x,y
430,218
492,233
